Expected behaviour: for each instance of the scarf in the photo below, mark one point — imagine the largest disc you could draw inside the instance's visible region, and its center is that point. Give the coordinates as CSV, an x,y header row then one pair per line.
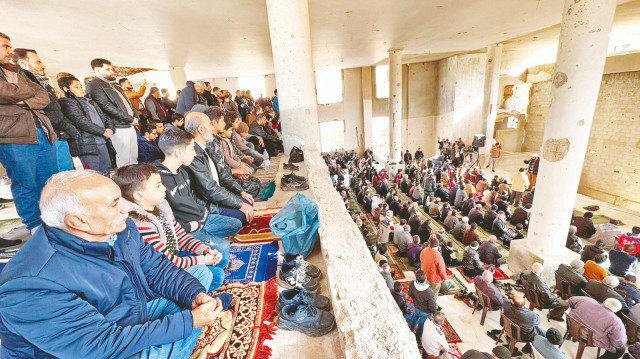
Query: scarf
x,y
43,81
172,242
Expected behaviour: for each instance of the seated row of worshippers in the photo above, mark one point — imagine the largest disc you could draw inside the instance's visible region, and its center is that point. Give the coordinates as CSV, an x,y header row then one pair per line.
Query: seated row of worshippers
x,y
121,267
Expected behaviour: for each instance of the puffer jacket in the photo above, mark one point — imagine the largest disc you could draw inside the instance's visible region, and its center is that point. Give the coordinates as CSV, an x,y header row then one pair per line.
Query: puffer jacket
x,y
180,197
205,187
64,297
21,105
85,143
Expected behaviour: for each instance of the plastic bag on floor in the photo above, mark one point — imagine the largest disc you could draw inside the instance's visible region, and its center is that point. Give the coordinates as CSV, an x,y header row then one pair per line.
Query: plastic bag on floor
x,y
297,224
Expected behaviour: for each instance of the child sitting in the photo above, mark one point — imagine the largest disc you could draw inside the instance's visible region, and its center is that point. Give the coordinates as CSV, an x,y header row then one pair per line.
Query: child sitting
x,y
141,184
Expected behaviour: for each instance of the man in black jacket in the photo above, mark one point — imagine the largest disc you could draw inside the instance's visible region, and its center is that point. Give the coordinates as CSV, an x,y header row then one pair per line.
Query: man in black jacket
x,y
489,217
601,291
573,274
114,103
533,282
222,195
34,69
194,216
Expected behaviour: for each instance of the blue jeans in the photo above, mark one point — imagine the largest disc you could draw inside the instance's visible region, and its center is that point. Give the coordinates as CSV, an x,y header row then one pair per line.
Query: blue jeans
x,y
100,162
29,167
417,321
215,230
160,308
257,158
234,213
65,163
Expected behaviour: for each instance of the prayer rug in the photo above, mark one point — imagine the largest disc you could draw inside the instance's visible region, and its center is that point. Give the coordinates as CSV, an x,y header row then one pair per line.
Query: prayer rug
x,y
266,191
597,218
458,286
399,273
450,333
497,275
269,176
252,263
241,330
401,262
455,351
258,232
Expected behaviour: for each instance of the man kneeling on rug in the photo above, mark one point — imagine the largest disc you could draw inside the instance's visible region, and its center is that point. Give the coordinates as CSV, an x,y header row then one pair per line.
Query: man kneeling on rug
x,y
86,284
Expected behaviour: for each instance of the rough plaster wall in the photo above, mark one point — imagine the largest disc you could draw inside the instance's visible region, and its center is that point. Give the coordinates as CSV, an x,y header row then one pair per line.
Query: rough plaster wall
x,y
369,323
269,84
467,116
614,142
447,72
349,110
422,107
226,83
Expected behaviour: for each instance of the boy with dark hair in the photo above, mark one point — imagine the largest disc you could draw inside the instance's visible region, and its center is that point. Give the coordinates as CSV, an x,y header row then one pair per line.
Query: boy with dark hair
x,y
148,150
142,186
178,148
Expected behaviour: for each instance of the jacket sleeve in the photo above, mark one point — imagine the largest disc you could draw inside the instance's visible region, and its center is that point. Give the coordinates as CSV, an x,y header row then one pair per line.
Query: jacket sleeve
x,y
151,107
207,189
41,98
66,326
166,279
132,95
76,116
228,156
106,120
11,94
99,96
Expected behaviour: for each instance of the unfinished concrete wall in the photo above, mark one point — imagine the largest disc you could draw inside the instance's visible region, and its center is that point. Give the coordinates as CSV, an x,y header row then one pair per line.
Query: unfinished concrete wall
x,y
611,171
422,107
447,73
369,322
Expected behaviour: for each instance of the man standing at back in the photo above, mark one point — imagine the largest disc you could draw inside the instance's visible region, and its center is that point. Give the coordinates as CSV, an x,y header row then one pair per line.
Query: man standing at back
x,y
26,145
114,103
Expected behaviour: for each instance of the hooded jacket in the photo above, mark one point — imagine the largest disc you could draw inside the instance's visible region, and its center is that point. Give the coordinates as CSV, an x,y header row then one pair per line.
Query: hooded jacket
x,y
188,98
69,298
180,197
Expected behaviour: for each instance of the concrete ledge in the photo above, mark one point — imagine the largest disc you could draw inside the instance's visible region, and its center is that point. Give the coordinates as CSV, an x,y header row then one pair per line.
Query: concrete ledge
x,y
523,254
370,324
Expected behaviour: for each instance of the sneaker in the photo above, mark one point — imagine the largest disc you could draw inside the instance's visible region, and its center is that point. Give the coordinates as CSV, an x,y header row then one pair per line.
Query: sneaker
x,y
291,277
290,185
290,166
296,295
306,318
299,261
294,177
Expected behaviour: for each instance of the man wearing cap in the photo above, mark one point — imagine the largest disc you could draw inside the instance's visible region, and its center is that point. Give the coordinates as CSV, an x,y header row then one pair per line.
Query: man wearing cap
x,y
573,274
547,345
532,169
609,332
498,352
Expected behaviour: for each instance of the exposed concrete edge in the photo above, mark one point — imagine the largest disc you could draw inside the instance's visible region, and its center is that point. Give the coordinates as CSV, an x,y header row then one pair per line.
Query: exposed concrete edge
x,y
369,323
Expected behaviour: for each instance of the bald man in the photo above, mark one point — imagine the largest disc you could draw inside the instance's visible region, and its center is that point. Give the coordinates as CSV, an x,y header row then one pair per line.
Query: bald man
x,y
532,280
86,284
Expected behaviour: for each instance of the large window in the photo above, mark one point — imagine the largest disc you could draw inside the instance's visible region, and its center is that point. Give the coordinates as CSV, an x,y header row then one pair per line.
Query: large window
x,y
332,135
329,86
382,81
254,84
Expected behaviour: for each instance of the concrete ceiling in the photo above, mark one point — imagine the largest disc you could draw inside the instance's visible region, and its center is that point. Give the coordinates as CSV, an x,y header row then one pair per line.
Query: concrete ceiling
x,y
231,38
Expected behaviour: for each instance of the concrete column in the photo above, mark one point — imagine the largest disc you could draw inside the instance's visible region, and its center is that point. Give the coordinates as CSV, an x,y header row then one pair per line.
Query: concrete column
x,y
293,65
367,106
490,103
395,105
584,37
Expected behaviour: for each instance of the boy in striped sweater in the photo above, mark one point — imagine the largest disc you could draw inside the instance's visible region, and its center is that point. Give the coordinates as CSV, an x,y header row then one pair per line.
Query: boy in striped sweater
x,y
141,185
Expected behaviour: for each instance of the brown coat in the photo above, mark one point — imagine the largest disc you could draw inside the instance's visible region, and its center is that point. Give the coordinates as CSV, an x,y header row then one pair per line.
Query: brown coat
x,y
17,124
134,97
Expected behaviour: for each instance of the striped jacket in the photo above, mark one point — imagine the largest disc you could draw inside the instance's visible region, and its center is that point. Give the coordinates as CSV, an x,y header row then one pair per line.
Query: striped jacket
x,y
151,231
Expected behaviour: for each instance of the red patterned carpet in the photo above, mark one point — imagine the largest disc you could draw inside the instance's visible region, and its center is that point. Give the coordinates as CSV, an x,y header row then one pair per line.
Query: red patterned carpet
x,y
258,232
497,275
240,332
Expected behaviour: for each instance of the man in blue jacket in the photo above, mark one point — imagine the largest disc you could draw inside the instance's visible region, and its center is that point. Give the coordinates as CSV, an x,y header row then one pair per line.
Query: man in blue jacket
x,y
86,285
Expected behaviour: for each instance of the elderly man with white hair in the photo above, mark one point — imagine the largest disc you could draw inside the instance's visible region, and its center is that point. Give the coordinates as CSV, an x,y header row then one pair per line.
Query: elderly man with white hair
x,y
532,281
191,95
601,291
608,330
402,240
86,284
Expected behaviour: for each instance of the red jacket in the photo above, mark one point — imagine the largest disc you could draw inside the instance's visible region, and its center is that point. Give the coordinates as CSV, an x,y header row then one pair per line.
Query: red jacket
x,y
432,263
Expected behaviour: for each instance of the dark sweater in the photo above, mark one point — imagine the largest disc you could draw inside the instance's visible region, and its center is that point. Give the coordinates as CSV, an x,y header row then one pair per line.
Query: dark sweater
x,y
423,300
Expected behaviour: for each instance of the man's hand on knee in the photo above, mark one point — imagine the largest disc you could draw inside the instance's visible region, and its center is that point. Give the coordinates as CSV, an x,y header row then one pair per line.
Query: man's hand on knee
x,y
206,313
248,211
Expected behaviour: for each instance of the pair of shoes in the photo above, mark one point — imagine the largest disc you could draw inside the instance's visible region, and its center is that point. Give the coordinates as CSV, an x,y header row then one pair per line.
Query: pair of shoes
x,y
493,336
290,166
289,183
298,260
292,276
295,178
304,312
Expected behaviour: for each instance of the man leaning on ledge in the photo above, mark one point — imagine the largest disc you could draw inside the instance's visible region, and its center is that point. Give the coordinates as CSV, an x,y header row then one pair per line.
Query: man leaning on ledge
x,y
86,285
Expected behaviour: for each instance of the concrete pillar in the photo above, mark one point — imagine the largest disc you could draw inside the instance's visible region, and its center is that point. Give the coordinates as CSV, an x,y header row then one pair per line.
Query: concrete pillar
x,y
395,105
584,37
293,65
490,103
178,77
367,106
